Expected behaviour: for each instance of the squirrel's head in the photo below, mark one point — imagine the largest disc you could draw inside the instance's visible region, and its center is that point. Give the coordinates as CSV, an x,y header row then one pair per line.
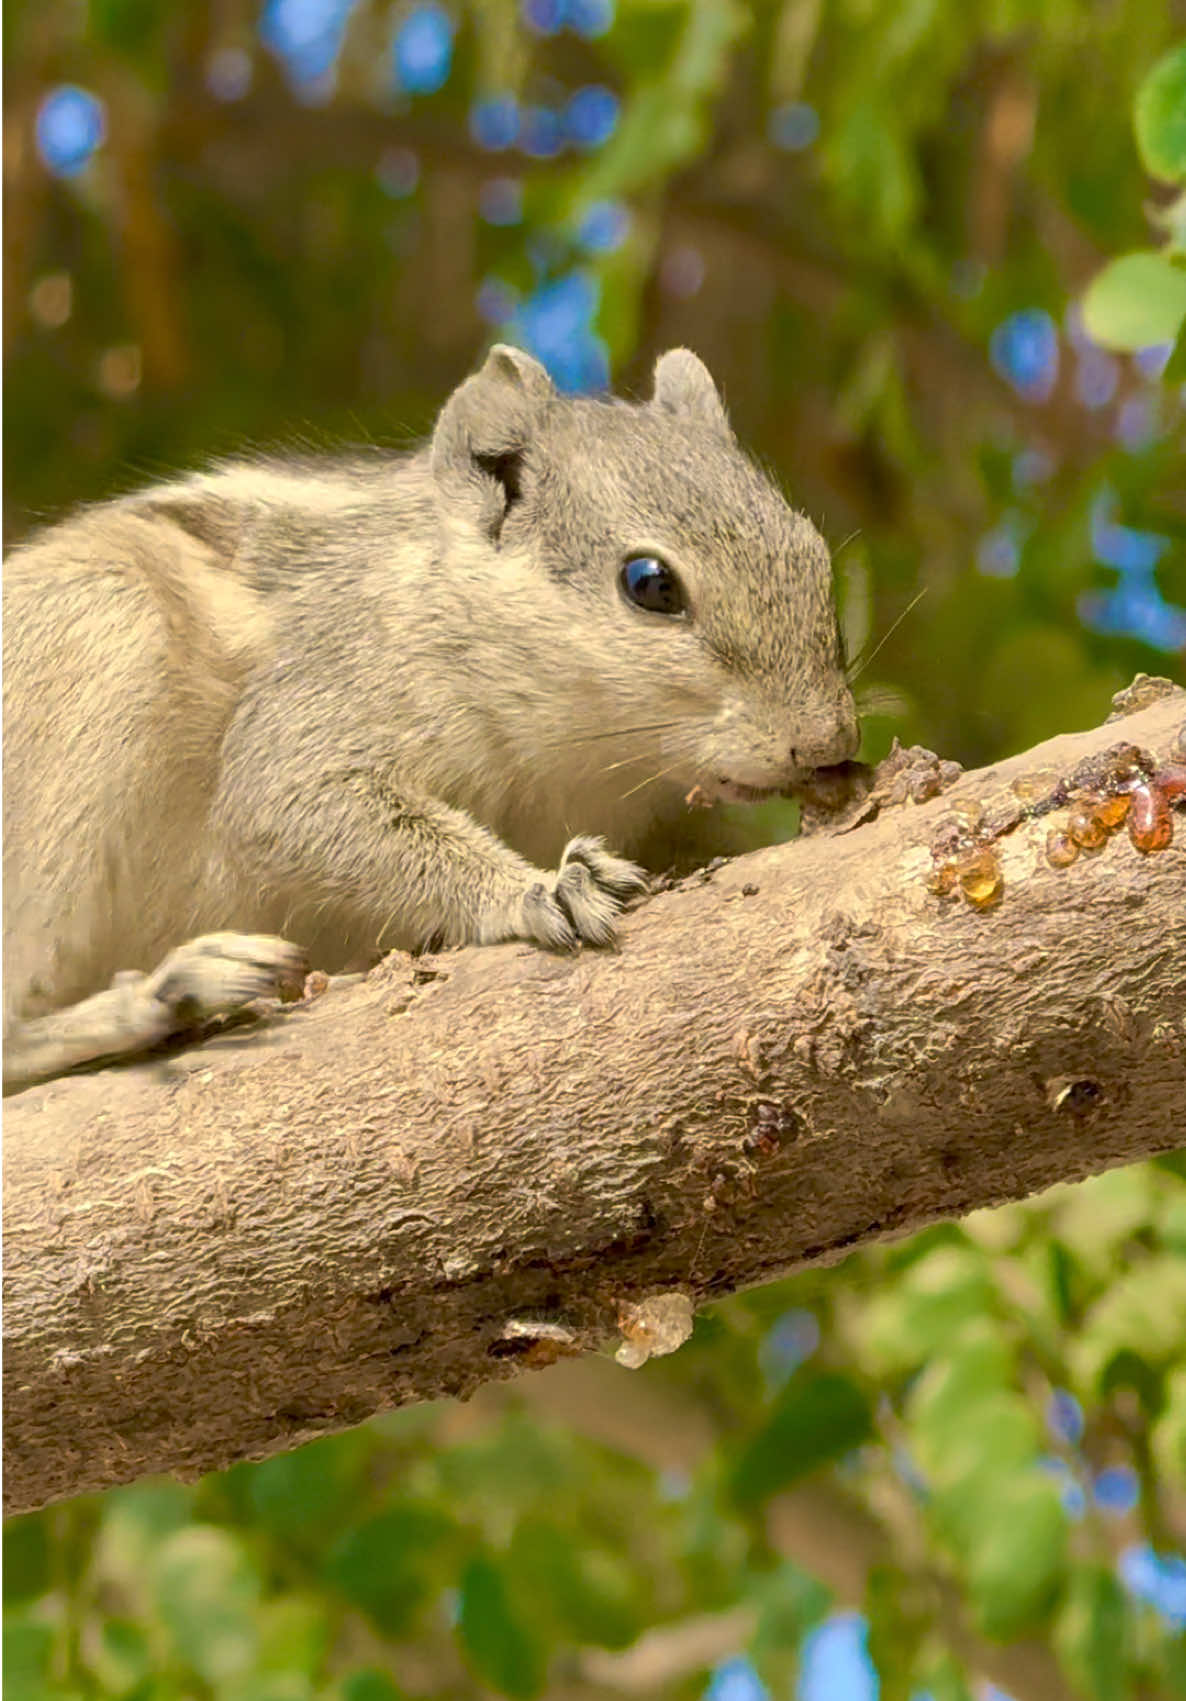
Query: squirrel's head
x,y
690,607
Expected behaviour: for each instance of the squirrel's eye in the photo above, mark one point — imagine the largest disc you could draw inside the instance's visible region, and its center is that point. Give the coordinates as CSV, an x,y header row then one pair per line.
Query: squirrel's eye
x,y
651,584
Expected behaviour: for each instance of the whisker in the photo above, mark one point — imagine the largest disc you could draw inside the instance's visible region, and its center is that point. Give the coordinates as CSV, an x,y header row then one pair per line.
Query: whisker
x,y
865,660
618,732
882,700
660,775
851,538
626,762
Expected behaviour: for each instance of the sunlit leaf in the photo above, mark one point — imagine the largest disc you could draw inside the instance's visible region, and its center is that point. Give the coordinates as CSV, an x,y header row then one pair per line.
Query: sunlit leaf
x,y
27,1646
1142,1314
1136,301
206,1593
1159,117
1015,1558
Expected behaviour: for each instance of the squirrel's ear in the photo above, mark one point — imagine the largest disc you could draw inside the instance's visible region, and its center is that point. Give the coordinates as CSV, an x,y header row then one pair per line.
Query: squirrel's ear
x,y
683,385
483,430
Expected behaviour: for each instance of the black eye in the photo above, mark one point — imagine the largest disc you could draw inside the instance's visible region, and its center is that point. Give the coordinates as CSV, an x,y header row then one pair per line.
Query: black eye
x,y
650,583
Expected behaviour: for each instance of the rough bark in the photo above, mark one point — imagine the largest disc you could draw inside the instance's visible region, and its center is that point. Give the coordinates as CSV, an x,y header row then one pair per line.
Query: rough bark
x,y
226,1253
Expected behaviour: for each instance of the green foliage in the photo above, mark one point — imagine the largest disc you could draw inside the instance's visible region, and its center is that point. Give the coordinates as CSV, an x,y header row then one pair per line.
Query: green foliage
x,y
503,1653
499,1553
586,1595
254,268
816,1420
1093,1633
1159,117
1140,299
386,1565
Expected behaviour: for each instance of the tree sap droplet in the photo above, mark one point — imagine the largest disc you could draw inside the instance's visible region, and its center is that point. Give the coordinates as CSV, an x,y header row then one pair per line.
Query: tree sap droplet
x,y
1150,825
1032,788
1061,849
1170,781
1112,810
979,877
942,879
1085,826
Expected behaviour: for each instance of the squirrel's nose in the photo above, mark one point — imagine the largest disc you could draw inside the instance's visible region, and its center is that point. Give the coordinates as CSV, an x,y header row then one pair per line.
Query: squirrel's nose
x,y
829,739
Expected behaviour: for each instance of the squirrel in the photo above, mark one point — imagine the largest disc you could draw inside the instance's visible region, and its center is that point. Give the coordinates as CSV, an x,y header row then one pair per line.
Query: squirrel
x,y
392,700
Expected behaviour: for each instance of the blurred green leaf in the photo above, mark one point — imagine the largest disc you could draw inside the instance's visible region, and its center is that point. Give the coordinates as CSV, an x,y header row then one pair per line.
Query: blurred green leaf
x,y
26,1556
951,1389
207,1592
27,1647
304,1494
1159,116
665,120
1015,1561
937,1298
1175,371
899,1613
389,1564
122,1657
1092,1634
294,1634
501,1649
268,1686
580,1591
998,1436
790,1600
872,169
1102,1218
1142,1315
368,1686
1168,1440
1136,301
942,1679
1171,1666
815,1420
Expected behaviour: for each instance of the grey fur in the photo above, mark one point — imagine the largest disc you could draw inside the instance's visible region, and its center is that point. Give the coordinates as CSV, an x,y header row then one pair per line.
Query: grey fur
x,y
365,703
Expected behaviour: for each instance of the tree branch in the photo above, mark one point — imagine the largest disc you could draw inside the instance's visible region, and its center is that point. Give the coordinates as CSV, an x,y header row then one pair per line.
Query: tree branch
x,y
226,1253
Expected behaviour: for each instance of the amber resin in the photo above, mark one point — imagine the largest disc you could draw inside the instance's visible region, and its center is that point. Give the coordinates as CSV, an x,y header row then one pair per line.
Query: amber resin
x,y
942,879
1170,781
1150,824
1112,810
1032,788
979,877
1061,849
1085,826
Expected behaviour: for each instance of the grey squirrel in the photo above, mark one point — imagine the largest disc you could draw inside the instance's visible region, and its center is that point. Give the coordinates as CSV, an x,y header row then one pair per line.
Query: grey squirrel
x,y
367,703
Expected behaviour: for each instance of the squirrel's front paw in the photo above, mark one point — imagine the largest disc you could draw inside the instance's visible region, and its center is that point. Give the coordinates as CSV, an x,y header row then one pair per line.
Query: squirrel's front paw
x,y
582,903
218,973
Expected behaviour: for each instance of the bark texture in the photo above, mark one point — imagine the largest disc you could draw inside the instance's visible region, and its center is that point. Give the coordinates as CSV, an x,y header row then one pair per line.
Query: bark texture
x,y
375,1199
